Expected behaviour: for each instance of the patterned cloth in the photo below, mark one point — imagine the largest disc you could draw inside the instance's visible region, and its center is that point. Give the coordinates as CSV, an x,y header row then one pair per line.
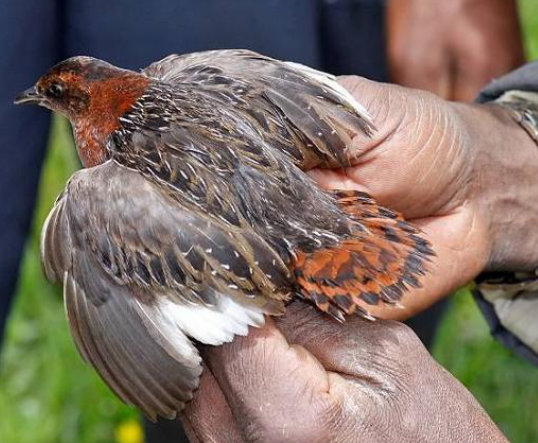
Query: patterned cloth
x,y
509,301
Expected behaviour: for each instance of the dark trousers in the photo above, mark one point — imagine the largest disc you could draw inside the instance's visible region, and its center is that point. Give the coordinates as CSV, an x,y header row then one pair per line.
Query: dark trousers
x,y
339,36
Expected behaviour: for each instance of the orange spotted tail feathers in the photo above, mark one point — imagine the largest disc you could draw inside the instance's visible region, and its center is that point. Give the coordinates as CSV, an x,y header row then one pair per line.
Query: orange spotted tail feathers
x,y
384,257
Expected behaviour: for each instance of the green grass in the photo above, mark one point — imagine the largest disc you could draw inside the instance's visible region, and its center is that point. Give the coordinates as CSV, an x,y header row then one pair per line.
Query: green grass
x,y
48,395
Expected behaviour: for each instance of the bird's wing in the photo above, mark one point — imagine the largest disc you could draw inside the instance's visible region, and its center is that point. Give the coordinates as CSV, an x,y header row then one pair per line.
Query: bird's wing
x,y
141,274
346,252
303,111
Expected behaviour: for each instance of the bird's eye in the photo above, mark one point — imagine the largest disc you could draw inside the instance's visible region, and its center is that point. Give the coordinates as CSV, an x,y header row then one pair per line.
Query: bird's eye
x,y
56,90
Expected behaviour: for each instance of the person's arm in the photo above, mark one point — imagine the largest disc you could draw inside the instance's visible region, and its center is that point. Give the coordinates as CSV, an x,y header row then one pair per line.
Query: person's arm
x,y
509,300
452,48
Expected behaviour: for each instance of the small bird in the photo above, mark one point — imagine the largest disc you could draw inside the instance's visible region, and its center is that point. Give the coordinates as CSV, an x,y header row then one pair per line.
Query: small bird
x,y
193,217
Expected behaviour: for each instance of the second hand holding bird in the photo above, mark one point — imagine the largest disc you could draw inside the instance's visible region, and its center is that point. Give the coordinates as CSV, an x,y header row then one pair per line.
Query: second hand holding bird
x,y
306,378
450,169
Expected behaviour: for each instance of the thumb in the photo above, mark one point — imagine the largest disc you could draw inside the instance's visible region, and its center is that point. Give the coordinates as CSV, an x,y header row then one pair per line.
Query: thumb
x,y
271,385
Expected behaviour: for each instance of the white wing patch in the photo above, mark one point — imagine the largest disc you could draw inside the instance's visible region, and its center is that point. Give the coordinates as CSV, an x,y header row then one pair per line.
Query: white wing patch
x,y
212,325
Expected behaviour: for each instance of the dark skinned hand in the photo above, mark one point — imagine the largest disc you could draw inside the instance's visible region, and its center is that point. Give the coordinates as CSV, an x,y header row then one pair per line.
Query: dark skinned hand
x,y
306,378
453,48
467,175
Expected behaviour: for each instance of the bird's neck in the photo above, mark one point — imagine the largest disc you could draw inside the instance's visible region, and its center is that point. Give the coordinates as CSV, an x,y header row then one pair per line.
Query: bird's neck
x,y
110,99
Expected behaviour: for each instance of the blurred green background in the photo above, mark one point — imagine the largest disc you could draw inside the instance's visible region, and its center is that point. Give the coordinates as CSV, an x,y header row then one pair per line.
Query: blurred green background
x,y
48,395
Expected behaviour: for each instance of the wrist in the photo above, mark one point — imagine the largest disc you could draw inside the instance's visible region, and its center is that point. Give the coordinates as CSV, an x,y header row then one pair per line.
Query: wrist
x,y
505,185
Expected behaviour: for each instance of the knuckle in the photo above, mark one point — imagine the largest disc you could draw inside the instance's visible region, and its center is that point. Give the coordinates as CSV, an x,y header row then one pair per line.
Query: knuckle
x,y
352,83
405,345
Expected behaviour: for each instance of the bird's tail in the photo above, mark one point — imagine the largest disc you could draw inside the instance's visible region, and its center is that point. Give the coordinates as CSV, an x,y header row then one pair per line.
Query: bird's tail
x,y
383,258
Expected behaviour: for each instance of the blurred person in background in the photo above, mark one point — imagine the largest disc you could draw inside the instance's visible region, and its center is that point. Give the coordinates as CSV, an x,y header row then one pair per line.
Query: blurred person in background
x,y
452,48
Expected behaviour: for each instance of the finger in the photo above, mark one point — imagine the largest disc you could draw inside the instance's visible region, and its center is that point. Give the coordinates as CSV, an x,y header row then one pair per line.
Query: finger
x,y
416,51
276,391
335,179
429,74
436,79
490,28
369,352
414,161
466,89
387,369
385,105
420,166
471,74
208,418
374,97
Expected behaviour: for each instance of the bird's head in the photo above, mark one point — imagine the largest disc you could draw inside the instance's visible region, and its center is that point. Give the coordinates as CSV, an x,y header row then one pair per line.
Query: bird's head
x,y
92,94
71,87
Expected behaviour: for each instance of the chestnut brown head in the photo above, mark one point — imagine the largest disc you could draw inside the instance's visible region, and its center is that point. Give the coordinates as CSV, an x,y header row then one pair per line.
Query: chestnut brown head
x,y
93,95
67,87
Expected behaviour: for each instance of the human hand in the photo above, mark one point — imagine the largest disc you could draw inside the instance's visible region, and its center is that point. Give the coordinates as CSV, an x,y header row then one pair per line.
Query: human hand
x,y
466,174
311,379
452,48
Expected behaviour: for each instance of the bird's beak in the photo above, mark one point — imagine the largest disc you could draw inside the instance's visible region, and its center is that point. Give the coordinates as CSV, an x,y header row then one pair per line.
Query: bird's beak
x,y
29,96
